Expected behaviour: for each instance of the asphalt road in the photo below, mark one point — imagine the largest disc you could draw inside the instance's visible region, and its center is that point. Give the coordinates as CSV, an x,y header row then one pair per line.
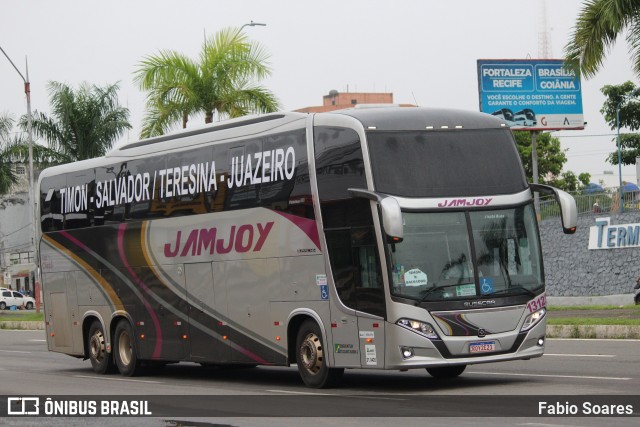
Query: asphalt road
x,y
571,369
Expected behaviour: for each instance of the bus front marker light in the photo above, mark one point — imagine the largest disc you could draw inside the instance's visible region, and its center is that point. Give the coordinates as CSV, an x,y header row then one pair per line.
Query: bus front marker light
x,y
421,328
407,352
541,342
533,319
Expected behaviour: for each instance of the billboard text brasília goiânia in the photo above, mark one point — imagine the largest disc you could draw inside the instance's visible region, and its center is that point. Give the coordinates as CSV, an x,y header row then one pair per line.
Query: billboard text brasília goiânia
x,y
531,94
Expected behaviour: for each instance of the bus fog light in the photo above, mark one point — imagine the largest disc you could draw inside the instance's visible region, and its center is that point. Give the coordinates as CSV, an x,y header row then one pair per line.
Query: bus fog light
x,y
421,328
533,319
541,342
407,352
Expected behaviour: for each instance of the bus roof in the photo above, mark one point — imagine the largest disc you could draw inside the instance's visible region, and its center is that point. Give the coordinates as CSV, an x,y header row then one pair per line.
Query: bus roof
x,y
421,118
381,118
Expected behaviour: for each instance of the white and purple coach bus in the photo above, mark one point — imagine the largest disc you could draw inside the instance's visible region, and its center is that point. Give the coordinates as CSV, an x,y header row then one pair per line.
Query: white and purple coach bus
x,y
372,238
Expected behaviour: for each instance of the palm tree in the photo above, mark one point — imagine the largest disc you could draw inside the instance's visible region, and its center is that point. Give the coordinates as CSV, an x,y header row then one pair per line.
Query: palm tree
x,y
222,81
7,176
596,30
84,124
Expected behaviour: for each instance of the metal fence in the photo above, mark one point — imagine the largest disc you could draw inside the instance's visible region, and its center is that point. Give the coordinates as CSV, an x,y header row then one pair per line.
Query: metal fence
x,y
593,203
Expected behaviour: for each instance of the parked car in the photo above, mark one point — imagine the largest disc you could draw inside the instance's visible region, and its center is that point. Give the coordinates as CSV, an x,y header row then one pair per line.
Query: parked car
x,y
9,298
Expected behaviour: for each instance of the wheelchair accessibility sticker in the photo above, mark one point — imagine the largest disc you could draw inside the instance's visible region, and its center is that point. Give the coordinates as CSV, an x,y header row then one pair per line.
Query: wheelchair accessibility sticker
x,y
324,292
486,285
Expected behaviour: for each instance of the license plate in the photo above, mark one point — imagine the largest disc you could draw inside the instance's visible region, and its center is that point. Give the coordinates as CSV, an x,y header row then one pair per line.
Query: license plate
x,y
482,347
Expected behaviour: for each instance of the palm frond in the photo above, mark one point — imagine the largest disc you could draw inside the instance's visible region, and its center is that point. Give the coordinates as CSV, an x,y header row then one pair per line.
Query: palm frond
x,y
597,28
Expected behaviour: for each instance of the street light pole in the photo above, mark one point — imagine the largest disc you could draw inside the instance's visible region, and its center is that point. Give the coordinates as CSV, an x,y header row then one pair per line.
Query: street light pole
x,y
253,24
624,99
619,154
27,91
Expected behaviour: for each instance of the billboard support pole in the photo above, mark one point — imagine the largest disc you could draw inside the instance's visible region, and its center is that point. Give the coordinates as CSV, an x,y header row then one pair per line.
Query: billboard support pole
x,y
534,169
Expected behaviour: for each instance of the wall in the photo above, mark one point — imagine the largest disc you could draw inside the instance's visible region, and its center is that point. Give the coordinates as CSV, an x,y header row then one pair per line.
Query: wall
x,y
572,269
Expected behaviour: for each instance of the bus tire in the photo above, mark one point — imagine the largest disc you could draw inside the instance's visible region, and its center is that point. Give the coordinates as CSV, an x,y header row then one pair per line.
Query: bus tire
x,y
311,358
124,349
447,371
101,361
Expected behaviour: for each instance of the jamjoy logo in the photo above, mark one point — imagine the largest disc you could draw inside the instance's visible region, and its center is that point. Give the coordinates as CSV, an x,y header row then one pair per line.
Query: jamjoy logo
x,y
245,238
23,406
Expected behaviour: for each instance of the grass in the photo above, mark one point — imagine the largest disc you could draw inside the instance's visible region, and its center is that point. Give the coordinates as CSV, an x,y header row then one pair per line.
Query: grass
x,y
22,316
594,307
593,321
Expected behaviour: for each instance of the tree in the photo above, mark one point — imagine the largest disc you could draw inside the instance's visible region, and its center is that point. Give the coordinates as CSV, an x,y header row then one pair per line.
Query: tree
x,y
597,27
568,181
629,118
84,124
7,176
222,81
551,159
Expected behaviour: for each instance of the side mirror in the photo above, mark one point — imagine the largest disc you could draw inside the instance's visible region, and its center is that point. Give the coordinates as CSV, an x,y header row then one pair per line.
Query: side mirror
x,y
390,210
568,209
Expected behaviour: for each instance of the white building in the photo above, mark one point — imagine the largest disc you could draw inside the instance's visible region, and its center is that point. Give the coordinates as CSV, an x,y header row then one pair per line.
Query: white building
x,y
17,263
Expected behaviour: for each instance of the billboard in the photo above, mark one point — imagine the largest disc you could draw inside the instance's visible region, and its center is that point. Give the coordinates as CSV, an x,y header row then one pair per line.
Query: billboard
x,y
531,94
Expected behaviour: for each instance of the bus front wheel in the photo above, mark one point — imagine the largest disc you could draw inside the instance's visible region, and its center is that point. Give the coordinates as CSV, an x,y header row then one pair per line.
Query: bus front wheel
x,y
446,371
311,358
100,360
124,349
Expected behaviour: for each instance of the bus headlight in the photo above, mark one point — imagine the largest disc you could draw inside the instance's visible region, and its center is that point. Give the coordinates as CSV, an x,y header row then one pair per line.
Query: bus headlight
x,y
533,319
419,327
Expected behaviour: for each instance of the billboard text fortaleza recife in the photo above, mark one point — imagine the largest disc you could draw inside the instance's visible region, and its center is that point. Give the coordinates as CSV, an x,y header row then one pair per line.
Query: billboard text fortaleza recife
x,y
531,94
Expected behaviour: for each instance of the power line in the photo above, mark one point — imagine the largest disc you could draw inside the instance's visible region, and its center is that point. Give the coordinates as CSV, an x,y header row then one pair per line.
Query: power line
x,y
595,135
14,232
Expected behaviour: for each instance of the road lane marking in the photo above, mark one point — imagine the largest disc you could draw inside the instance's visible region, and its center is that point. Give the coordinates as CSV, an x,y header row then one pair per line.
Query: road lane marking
x,y
118,379
39,340
329,394
15,351
579,355
552,376
372,397
302,392
593,339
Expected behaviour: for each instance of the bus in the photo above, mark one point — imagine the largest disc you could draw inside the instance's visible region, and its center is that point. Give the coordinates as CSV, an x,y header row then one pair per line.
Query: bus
x,y
384,238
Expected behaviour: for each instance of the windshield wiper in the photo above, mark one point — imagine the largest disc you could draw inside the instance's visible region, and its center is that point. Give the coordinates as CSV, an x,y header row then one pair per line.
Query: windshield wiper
x,y
514,287
436,288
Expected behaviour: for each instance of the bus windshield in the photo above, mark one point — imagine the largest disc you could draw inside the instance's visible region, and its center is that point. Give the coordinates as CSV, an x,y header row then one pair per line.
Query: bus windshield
x,y
445,163
439,260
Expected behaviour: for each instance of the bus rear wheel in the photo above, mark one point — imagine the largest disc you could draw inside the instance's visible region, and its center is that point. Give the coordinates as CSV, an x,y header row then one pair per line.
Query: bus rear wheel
x,y
100,360
311,358
447,371
124,349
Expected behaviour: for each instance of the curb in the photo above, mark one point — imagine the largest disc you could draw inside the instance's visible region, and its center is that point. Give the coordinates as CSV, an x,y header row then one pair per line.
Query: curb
x,y
593,331
22,325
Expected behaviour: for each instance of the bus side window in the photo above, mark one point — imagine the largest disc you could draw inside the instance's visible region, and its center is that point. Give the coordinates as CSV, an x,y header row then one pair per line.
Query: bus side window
x,y
348,222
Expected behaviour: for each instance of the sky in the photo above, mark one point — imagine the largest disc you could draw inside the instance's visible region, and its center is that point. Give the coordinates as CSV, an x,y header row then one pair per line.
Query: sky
x,y
424,51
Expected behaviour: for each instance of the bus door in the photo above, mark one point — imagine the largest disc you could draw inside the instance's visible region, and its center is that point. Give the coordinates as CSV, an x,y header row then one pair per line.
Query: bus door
x,y
206,332
358,335
62,320
358,317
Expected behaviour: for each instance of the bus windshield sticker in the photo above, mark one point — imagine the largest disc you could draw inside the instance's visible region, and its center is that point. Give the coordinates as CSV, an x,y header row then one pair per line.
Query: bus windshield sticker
x,y
415,277
367,334
486,285
466,290
321,279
